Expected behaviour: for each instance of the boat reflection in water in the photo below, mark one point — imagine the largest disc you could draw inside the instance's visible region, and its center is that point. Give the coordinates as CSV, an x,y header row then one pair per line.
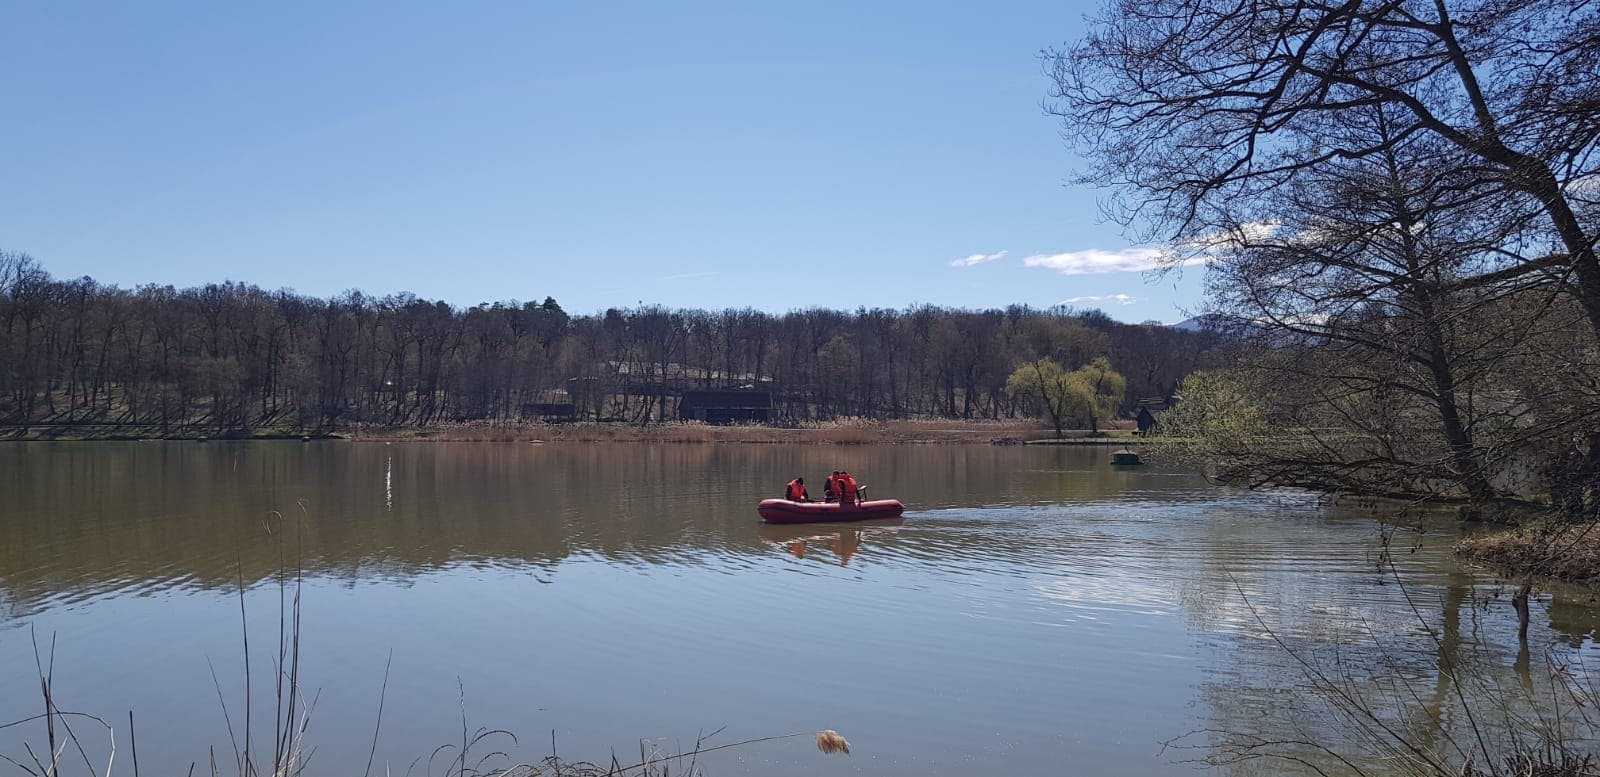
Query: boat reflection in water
x,y
843,540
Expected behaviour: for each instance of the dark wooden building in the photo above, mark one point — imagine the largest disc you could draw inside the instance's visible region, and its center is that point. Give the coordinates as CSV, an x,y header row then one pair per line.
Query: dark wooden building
x,y
550,412
726,406
1148,413
1146,419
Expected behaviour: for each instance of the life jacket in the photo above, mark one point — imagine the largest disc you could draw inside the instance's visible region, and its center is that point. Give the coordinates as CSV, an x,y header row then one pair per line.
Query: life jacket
x,y
795,491
847,487
830,489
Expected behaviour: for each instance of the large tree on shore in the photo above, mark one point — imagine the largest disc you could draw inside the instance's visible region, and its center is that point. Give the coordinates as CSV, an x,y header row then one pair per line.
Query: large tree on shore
x,y
1046,390
1379,295
1102,389
1090,394
1190,108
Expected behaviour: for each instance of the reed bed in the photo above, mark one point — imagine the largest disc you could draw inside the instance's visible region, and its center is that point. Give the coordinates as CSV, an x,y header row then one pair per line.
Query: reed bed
x,y
842,431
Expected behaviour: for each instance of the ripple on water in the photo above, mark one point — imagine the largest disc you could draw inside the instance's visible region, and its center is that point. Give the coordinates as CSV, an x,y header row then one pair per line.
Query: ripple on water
x,y
1033,608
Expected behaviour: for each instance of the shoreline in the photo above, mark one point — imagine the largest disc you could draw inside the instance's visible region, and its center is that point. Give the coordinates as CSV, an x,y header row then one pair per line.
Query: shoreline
x,y
1559,552
841,432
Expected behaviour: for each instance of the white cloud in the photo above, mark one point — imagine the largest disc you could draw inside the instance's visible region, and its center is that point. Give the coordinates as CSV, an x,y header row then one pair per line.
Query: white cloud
x,y
977,259
1249,233
1305,319
1119,299
1097,261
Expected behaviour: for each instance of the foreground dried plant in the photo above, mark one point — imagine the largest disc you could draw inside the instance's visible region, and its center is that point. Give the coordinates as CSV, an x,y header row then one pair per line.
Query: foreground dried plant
x,y
653,761
292,713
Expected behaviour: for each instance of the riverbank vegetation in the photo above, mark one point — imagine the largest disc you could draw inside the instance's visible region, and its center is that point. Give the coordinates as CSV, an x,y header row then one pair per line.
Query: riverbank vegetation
x,y
838,431
1549,550
1091,393
233,359
1398,210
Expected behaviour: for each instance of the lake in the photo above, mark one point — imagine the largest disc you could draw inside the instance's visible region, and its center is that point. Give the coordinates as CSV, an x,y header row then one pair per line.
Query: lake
x,y
1037,611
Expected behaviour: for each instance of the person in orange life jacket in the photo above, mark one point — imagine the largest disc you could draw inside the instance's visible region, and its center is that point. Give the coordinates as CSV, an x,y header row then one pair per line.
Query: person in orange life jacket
x,y
847,488
796,491
830,489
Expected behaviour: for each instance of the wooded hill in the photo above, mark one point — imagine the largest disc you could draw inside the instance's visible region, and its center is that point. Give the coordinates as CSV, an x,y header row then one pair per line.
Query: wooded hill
x,y
233,357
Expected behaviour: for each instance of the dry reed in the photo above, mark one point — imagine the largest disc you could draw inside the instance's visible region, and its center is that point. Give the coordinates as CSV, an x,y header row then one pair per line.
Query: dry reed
x,y
841,431
652,762
1485,732
1567,552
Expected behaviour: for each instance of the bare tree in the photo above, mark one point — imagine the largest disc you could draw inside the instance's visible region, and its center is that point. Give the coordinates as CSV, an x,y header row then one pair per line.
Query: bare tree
x,y
1193,108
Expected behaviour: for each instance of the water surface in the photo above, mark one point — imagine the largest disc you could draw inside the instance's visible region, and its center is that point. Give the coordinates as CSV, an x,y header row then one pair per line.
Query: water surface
x,y
1037,611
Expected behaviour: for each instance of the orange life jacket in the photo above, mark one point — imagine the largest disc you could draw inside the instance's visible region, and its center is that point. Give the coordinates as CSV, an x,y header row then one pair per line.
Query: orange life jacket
x,y
847,487
831,488
796,491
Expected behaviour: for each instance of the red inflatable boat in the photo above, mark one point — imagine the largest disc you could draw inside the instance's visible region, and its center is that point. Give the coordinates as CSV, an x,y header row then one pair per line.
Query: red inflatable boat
x,y
785,511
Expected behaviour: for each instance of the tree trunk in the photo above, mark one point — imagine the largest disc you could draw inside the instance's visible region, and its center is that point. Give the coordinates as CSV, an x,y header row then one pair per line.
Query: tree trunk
x,y
1580,247
1519,602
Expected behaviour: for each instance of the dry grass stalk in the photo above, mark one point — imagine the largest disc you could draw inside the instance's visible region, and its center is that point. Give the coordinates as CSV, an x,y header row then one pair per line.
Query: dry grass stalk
x,y
1485,733
840,431
652,763
294,712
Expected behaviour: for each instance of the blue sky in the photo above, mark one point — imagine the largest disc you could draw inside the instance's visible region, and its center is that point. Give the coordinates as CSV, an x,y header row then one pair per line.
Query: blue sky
x,y
690,154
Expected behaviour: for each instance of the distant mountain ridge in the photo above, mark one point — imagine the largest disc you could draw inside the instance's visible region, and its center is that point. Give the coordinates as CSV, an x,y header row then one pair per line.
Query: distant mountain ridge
x,y
1206,322
1219,324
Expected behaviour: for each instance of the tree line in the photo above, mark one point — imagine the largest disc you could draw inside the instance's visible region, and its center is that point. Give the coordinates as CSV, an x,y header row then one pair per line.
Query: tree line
x,y
233,357
1399,204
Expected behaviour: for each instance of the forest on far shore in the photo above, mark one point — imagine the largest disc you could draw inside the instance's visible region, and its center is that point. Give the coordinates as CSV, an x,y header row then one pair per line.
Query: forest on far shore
x,y
233,357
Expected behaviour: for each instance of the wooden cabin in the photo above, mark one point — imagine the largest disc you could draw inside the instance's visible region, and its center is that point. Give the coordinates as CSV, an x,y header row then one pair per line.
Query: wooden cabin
x,y
726,406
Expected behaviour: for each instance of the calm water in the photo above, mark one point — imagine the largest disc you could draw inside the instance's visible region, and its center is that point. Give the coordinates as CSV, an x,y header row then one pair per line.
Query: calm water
x,y
1036,611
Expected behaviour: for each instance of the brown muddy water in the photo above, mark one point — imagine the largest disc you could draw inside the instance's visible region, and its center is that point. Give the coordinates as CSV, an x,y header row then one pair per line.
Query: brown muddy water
x,y
1037,611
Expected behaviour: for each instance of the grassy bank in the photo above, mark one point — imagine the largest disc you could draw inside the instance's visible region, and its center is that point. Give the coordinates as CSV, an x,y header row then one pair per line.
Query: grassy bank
x,y
845,431
1121,437
96,432
850,431
1565,552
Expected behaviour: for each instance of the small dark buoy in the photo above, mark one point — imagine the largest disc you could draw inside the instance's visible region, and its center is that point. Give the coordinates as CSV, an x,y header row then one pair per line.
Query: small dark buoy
x,y
1125,457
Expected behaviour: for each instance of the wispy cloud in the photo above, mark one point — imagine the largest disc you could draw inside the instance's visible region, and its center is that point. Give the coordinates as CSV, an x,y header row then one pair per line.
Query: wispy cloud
x,y
683,276
1118,299
1097,261
977,259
